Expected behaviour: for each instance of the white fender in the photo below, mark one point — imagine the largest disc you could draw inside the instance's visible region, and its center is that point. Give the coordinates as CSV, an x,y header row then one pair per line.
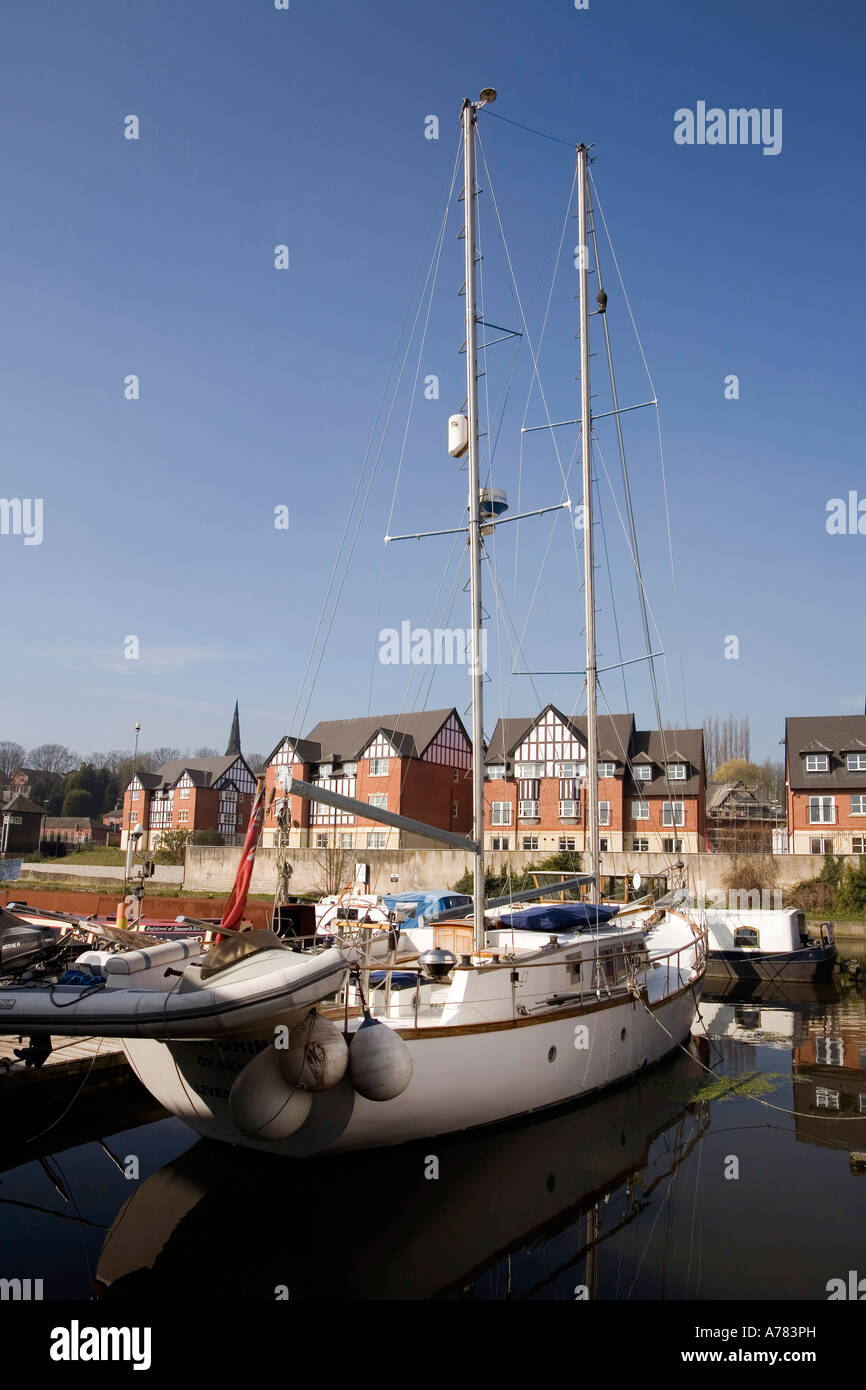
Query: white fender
x,y
317,1055
262,1105
380,1063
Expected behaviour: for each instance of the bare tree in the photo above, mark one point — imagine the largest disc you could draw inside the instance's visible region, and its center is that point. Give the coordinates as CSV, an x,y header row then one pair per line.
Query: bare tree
x,y
334,867
53,758
12,756
205,752
256,762
725,739
110,760
153,761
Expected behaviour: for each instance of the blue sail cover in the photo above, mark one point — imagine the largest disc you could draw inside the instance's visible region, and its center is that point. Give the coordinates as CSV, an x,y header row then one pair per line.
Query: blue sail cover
x,y
558,917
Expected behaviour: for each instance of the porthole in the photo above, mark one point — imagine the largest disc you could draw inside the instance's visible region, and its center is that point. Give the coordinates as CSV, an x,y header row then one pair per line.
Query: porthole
x,y
551,1181
551,1056
622,1036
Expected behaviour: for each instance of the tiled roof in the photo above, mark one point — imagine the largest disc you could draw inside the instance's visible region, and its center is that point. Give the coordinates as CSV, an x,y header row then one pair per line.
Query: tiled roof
x,y
346,739
833,734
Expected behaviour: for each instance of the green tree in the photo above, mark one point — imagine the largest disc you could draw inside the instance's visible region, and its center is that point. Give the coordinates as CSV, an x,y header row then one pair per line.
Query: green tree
x,y
172,846
850,896
78,802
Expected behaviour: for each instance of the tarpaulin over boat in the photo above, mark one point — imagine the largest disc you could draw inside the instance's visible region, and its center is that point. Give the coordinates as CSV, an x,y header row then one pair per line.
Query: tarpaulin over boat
x,y
558,917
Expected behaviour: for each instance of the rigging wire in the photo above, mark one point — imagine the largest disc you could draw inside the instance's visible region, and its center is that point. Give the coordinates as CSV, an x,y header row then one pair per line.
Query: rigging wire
x,y
530,131
597,201
373,432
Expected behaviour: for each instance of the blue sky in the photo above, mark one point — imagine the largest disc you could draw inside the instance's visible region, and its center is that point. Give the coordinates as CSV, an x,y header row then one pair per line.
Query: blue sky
x,y
259,388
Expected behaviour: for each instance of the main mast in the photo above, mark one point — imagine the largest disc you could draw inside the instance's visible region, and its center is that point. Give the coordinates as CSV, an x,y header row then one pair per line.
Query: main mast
x,y
469,194
588,563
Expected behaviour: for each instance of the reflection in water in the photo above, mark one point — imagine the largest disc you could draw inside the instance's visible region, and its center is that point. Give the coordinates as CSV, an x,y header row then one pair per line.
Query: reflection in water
x,y
418,1221
632,1196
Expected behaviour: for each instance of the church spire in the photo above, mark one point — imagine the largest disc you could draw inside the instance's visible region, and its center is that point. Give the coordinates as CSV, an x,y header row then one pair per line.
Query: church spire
x,y
235,735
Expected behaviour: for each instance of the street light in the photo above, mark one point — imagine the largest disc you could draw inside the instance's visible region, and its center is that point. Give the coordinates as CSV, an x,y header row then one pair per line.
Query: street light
x,y
130,833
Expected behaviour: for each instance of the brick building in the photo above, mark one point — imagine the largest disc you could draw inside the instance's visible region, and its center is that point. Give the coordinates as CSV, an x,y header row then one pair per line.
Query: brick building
x,y
825,780
418,765
213,794
77,832
651,789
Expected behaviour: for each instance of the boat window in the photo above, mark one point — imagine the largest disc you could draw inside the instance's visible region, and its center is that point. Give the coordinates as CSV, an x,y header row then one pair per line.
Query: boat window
x,y
747,936
610,968
237,947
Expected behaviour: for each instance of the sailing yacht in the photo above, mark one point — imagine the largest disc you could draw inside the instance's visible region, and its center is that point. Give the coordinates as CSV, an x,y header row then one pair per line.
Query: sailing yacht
x,y
385,1036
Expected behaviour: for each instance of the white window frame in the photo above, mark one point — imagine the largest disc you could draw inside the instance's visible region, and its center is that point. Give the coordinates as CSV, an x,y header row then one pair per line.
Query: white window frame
x,y
496,772
862,844
527,810
571,769
500,842
673,815
568,810
567,842
640,810
379,800
500,813
676,772
642,772
861,807
526,772
321,839
183,817
640,844
183,793
530,842
604,813
377,839
817,762
820,803
607,769
347,840
379,767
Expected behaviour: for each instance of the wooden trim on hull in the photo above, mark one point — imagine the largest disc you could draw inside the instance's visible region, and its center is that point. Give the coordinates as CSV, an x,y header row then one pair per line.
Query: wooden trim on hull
x,y
549,1016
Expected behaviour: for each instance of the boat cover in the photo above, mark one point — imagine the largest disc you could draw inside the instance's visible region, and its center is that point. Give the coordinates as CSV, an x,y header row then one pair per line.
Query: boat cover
x,y
557,917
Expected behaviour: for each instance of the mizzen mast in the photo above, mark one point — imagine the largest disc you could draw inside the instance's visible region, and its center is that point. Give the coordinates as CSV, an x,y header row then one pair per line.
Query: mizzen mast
x,y
588,561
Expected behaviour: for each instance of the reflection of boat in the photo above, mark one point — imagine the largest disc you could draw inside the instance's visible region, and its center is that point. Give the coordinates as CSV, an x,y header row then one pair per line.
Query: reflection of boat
x,y
428,1219
28,1131
767,945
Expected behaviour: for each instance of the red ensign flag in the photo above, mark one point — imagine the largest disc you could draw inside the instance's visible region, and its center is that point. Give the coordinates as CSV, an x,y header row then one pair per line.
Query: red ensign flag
x,y
234,908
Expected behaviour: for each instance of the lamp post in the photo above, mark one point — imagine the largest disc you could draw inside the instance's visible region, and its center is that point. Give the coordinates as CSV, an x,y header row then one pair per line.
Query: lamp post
x,y
128,863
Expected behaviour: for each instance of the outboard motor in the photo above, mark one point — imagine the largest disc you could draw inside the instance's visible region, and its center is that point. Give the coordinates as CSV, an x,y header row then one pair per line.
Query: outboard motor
x,y
22,944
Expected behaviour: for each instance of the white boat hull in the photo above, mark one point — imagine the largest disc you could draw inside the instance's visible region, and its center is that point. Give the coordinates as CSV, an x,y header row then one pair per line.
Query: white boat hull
x,y
462,1077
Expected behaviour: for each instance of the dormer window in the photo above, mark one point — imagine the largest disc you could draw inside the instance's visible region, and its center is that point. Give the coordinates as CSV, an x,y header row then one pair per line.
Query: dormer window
x,y
525,770
857,762
642,772
677,772
817,762
607,769
325,769
496,771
